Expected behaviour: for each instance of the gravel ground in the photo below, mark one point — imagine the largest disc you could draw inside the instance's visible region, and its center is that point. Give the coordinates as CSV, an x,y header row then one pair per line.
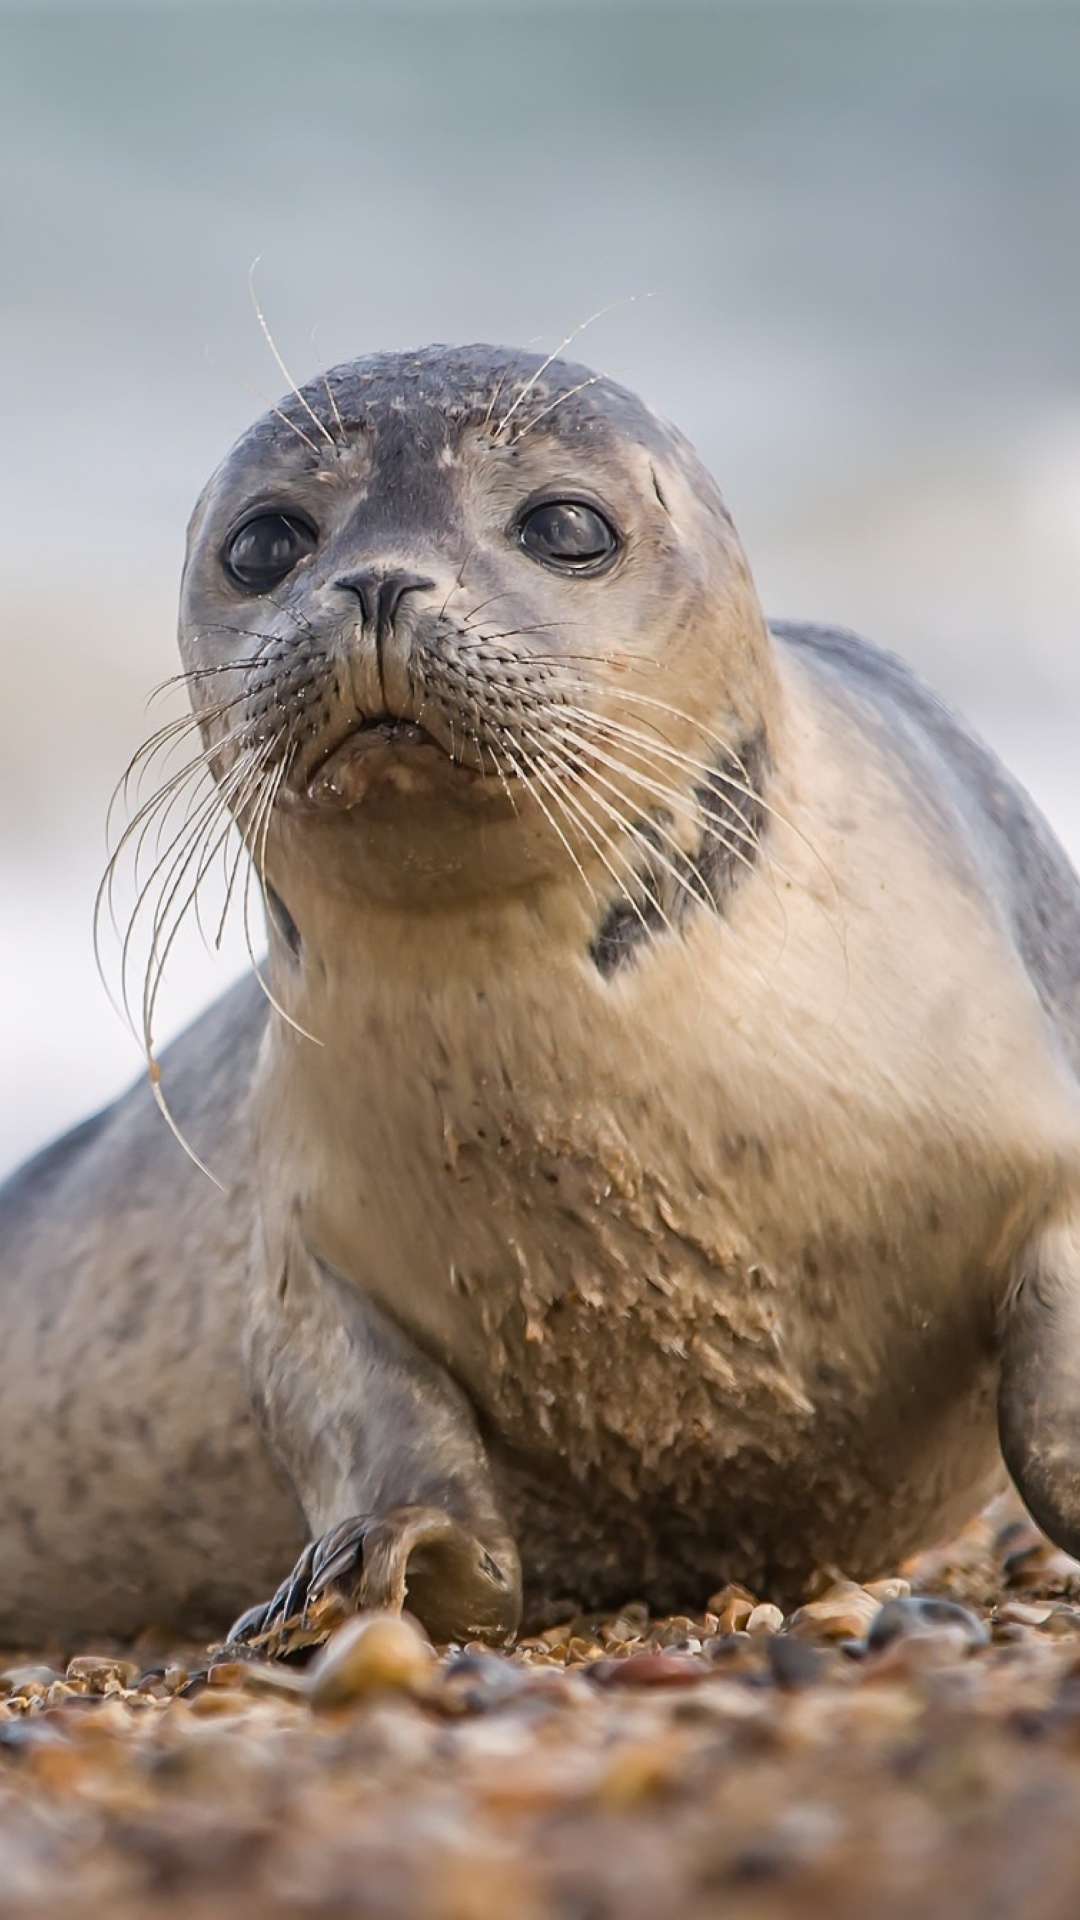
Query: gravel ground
x,y
908,1747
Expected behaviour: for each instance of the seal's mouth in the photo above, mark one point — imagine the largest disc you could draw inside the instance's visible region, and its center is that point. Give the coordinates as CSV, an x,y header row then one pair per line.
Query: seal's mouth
x,y
383,755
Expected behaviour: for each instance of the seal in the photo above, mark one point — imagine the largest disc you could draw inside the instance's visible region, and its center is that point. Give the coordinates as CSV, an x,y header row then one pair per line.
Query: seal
x,y
654,1159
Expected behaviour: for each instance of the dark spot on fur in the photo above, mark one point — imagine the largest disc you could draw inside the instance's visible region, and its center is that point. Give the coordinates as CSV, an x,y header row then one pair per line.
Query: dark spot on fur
x,y
733,819
283,921
828,1377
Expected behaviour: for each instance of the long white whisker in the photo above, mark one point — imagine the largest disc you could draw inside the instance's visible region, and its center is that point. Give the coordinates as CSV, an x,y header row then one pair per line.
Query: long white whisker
x,y
527,774
282,368
672,797
557,761
603,847
574,334
689,882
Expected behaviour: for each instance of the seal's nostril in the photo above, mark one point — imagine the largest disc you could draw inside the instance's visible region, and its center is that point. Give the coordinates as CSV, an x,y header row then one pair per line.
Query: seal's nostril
x,y
380,594
366,588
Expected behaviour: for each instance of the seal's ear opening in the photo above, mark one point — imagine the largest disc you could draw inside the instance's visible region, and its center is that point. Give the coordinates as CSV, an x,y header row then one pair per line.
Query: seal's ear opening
x,y
1039,1394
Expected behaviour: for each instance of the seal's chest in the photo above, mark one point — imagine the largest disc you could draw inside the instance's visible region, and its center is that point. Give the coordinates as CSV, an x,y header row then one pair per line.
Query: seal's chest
x,y
616,1312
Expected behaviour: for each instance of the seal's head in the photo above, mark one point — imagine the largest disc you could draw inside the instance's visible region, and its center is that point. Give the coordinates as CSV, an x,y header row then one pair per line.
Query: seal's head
x,y
463,618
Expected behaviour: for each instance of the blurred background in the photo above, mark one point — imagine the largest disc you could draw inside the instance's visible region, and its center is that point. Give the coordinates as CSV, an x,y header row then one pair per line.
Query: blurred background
x,y
851,230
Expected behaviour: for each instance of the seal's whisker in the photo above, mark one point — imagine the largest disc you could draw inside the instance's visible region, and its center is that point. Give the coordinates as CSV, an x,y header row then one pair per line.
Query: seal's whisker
x,y
171,915
223,791
512,633
231,868
711,831
156,809
552,404
631,833
143,758
539,372
151,815
591,828
680,868
282,368
163,792
727,833
482,747
459,581
528,773
720,782
195,834
262,815
653,744
494,400
729,789
467,619
241,803
343,438
202,848
164,748
677,713
190,676
742,829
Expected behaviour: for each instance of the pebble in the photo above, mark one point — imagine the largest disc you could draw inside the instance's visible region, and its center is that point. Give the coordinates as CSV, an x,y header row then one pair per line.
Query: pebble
x,y
732,1607
101,1673
373,1653
844,1613
795,1663
476,1680
648,1670
18,1679
921,1614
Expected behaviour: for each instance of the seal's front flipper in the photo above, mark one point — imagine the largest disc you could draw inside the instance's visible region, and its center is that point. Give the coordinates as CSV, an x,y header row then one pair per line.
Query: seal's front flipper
x,y
383,1450
1039,1396
416,1556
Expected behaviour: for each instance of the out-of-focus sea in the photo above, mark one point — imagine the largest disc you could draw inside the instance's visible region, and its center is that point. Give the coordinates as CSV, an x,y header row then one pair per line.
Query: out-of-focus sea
x,y
852,231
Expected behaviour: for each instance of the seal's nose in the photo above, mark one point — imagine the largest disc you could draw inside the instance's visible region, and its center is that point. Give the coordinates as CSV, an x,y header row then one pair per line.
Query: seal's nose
x,y
380,594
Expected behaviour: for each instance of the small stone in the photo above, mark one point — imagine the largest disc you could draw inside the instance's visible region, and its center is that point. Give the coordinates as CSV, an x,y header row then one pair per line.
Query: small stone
x,y
101,1673
923,1614
765,1619
885,1590
732,1607
476,1680
227,1673
556,1636
18,1679
1033,1562
648,1670
794,1663
1026,1614
375,1652
1062,1621
844,1613
28,1734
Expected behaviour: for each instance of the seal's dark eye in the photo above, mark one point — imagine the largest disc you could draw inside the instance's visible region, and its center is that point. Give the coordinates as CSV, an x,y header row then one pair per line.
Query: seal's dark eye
x,y
569,535
266,548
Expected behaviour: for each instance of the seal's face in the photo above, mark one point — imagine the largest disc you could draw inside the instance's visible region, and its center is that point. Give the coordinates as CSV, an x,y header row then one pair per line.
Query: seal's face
x,y
427,593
